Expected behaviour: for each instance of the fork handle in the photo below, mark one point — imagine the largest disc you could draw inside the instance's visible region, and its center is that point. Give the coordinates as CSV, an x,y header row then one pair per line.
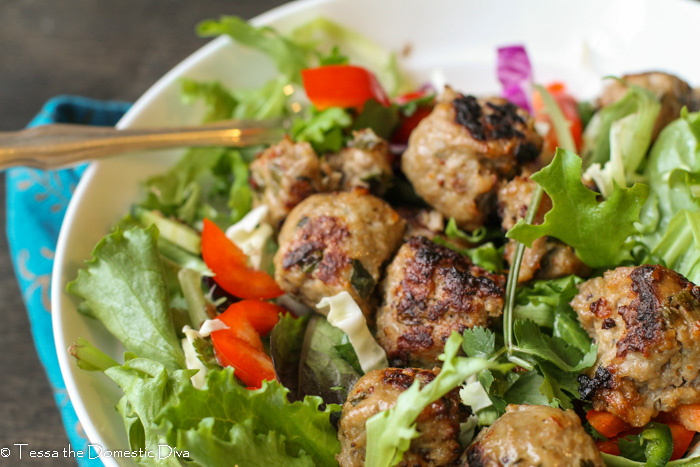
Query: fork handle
x,y
57,145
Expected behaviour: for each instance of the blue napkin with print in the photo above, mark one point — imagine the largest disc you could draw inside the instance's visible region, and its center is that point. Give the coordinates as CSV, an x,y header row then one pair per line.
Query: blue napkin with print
x,y
36,204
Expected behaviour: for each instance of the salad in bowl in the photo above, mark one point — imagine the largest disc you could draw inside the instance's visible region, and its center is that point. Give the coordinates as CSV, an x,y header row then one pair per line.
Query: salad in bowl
x,y
415,274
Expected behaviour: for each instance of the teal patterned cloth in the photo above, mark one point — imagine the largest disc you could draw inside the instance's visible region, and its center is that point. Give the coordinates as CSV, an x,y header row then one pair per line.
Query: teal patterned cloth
x,y
36,204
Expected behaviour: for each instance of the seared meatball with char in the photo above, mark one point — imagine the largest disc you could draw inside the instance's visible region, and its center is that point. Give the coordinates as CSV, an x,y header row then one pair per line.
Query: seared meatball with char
x,y
438,424
458,153
672,92
365,163
428,292
548,258
284,175
533,435
335,242
646,322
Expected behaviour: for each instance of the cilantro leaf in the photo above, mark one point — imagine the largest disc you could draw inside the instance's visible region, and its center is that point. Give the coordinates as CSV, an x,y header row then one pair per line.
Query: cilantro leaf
x,y
323,130
541,300
532,341
479,342
598,231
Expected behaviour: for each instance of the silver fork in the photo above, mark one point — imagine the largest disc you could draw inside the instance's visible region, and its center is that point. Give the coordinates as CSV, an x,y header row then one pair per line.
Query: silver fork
x,y
59,145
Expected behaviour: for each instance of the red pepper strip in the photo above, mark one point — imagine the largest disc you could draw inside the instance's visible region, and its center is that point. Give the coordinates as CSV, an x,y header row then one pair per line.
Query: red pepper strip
x,y
229,265
251,365
681,439
569,108
342,86
261,315
240,328
408,124
606,423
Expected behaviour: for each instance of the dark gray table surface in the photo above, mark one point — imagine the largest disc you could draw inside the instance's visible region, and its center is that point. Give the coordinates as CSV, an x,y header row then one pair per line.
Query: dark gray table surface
x,y
95,48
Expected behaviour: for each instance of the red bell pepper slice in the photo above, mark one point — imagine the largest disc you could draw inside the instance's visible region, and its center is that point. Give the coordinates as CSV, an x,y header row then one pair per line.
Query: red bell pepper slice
x,y
230,268
261,315
568,106
251,365
342,86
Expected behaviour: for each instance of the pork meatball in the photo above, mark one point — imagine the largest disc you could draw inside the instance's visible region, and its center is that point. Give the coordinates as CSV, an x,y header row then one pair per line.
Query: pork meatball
x,y
646,322
673,93
365,163
428,292
533,435
548,258
458,153
284,175
335,242
438,424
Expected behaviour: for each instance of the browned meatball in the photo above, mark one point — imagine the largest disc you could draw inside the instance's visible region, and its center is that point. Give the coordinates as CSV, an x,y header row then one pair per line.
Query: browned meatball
x,y
365,163
284,175
548,258
457,154
428,292
378,390
533,435
673,93
336,242
646,322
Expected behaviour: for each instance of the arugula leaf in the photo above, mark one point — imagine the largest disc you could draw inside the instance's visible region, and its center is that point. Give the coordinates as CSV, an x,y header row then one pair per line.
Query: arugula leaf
x,y
211,415
532,341
123,286
598,231
389,433
324,130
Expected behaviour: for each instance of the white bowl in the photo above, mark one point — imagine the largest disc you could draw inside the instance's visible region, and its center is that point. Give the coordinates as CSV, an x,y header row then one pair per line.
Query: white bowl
x,y
576,42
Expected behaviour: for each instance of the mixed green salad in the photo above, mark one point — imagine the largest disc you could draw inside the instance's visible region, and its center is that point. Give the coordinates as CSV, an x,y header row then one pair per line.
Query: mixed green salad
x,y
151,283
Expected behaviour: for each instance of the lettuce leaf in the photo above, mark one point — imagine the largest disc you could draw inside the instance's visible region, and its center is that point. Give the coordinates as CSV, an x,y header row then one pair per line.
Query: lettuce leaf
x,y
244,448
599,232
324,130
147,387
124,287
389,433
288,55
224,413
674,175
679,248
627,123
